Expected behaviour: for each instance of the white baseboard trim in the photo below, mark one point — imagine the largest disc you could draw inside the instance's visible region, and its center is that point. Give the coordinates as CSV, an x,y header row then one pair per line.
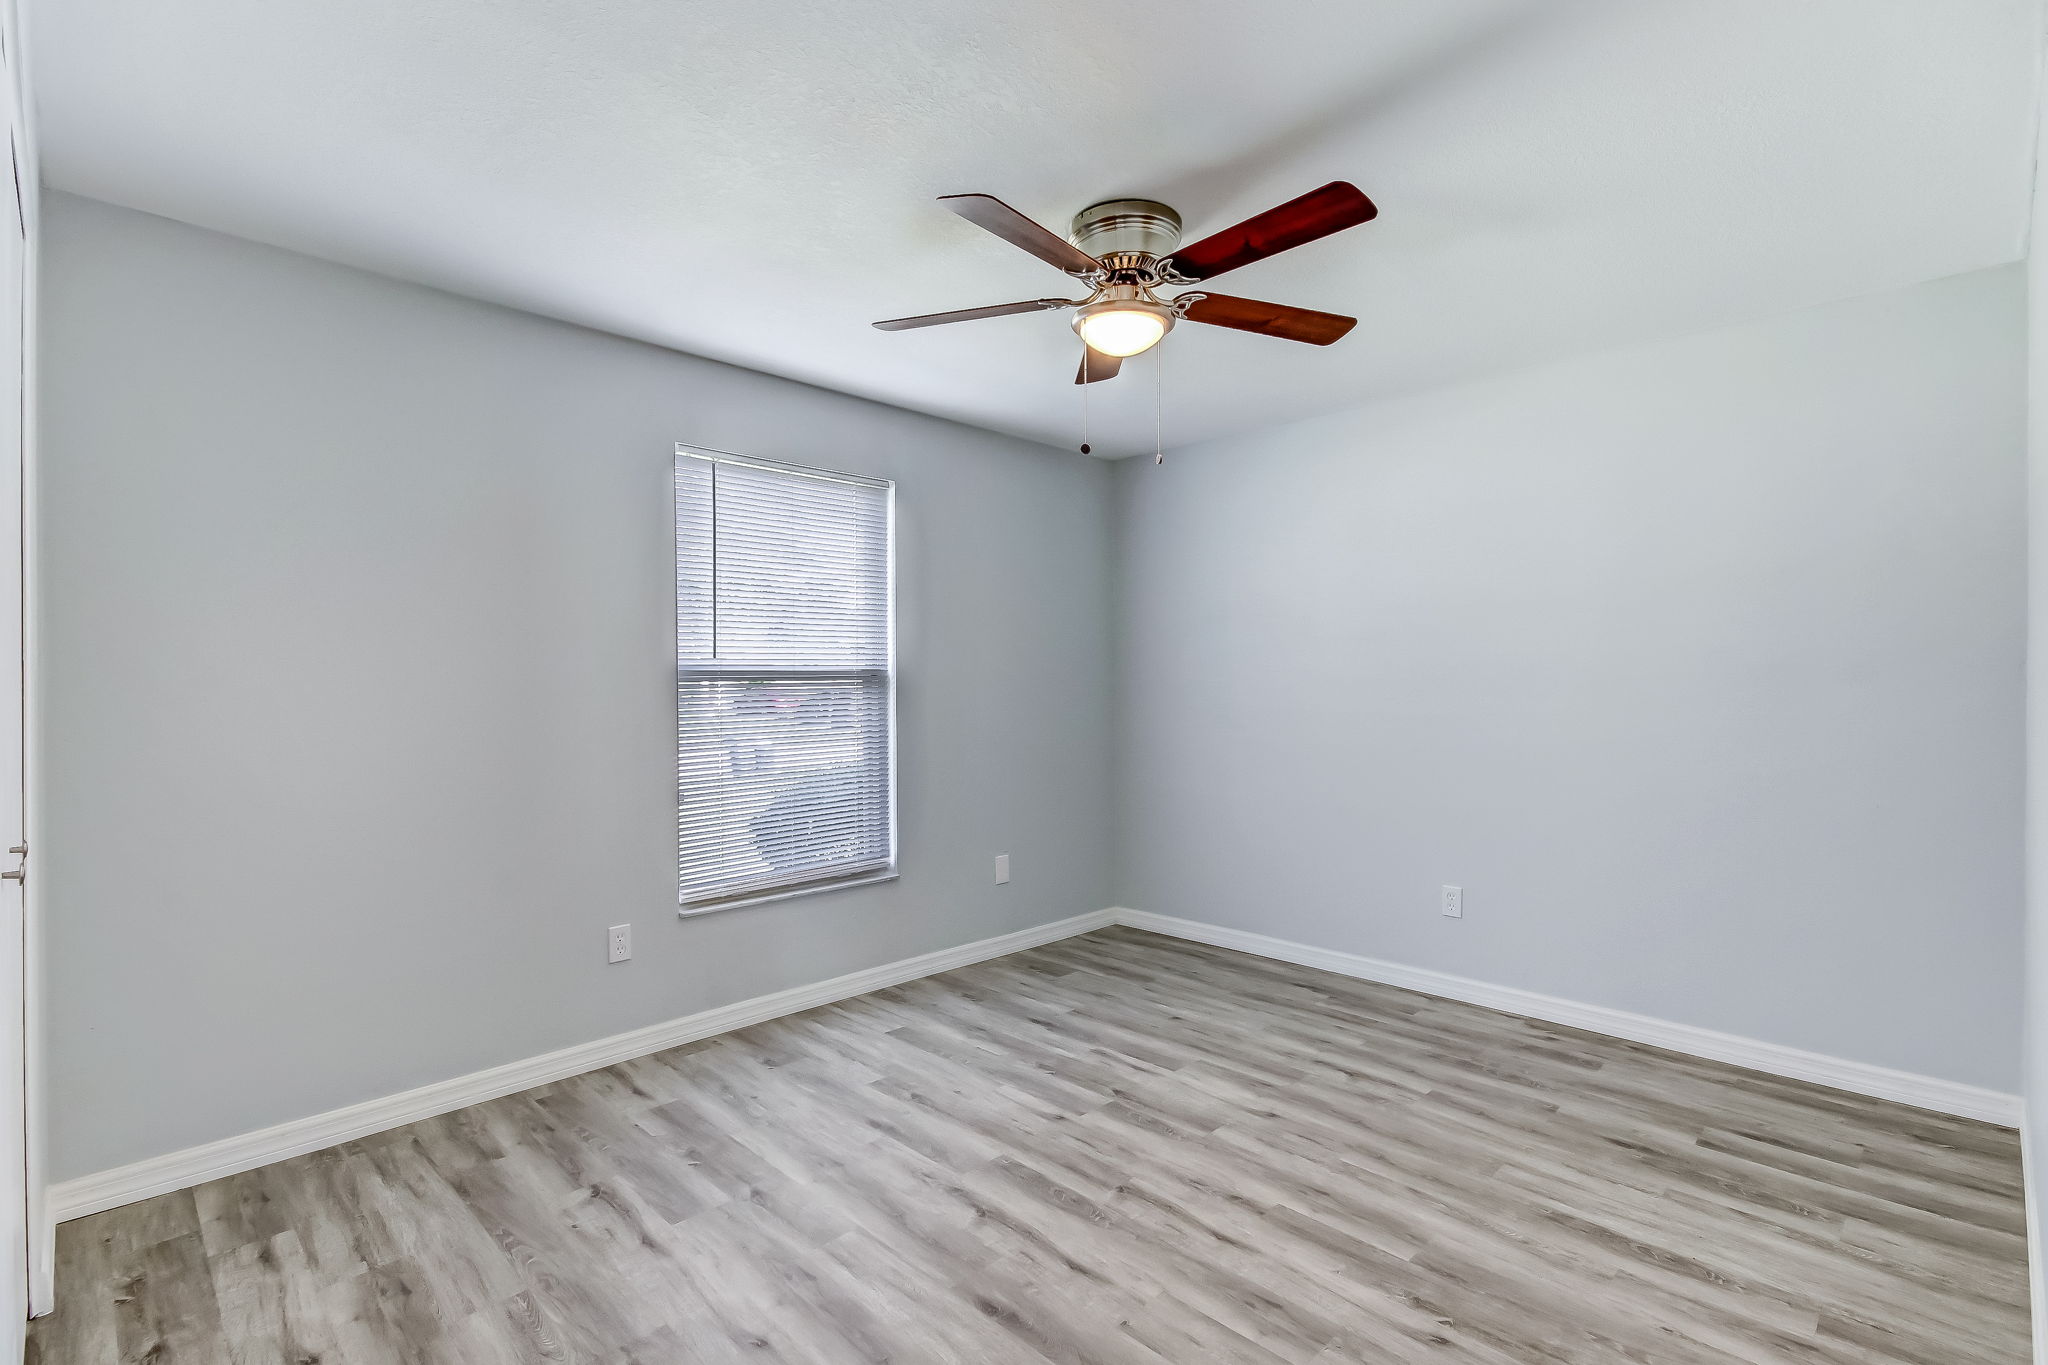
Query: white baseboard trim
x,y
1862,1078
228,1156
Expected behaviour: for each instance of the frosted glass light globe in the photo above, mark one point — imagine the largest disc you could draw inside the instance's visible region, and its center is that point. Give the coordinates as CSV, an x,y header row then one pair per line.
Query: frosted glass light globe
x,y
1122,331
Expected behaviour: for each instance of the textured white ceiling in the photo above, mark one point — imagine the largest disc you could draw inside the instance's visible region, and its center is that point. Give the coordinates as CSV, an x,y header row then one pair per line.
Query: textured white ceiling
x,y
754,181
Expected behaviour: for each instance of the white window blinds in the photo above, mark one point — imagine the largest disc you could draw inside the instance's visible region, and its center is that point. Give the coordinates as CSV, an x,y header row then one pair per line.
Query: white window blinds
x,y
784,686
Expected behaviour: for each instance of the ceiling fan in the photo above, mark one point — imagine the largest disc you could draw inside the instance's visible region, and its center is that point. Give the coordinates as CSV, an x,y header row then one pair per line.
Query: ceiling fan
x,y
1136,251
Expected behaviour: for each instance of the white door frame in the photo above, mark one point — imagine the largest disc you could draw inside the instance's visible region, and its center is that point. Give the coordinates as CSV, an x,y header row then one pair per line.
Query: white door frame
x,y
36,1231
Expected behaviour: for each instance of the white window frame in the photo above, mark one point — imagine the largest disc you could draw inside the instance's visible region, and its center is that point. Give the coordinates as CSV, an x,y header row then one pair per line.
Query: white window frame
x,y
869,875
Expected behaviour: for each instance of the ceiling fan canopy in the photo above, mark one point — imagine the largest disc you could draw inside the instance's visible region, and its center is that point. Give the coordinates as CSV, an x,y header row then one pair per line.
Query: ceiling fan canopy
x,y
1126,250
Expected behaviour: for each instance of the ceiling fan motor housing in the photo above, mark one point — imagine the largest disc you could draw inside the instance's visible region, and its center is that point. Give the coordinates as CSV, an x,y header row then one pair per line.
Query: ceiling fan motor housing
x,y
1118,227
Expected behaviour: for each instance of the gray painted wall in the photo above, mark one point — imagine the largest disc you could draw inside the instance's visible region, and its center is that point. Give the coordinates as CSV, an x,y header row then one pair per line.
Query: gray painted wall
x,y
1698,665
356,606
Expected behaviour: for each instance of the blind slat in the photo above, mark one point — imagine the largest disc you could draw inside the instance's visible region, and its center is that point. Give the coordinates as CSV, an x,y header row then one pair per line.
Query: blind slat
x,y
784,689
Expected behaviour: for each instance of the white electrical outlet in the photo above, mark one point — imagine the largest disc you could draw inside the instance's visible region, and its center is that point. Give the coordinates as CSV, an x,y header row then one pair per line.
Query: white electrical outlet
x,y
1002,868
1454,902
621,942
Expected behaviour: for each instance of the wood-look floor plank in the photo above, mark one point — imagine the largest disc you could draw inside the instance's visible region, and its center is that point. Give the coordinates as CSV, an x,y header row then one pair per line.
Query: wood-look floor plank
x,y
1115,1150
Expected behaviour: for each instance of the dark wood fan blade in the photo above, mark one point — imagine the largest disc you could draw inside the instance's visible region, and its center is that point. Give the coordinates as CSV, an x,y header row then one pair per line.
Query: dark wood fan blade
x,y
987,211
996,310
1096,367
1269,319
1334,207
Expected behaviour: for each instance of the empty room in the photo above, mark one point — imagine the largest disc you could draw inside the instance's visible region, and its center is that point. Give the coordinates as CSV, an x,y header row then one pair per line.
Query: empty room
x,y
936,683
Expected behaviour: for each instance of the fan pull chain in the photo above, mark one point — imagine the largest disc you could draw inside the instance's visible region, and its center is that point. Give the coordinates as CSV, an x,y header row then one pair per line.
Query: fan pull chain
x,y
1158,405
1085,355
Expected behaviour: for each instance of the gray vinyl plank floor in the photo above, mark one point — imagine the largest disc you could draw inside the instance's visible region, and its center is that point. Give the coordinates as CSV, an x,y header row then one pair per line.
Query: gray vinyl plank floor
x,y
1120,1148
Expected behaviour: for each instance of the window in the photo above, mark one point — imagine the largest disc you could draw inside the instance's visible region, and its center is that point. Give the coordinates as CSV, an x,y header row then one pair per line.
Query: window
x,y
785,687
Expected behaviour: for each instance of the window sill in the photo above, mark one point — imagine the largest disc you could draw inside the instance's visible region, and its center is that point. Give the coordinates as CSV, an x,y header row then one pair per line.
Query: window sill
x,y
788,892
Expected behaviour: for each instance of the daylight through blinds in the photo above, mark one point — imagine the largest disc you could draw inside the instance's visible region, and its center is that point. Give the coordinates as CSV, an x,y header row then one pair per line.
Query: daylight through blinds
x,y
783,686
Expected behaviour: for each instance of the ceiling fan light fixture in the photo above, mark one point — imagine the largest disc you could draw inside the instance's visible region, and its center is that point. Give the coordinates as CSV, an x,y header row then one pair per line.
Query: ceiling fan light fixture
x,y
1124,249
1123,327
